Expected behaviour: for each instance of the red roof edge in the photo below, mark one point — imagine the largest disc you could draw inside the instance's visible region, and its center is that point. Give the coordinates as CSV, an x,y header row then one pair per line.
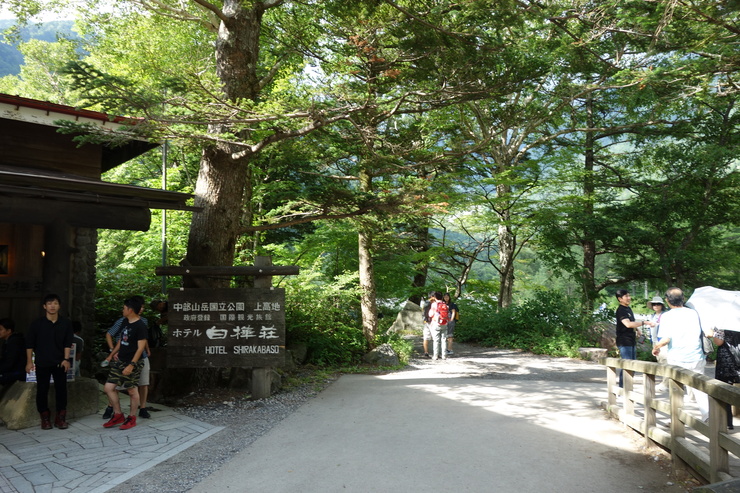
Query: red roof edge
x,y
60,108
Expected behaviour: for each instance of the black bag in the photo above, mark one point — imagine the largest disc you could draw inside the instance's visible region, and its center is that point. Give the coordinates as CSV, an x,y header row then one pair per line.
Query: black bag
x,y
707,345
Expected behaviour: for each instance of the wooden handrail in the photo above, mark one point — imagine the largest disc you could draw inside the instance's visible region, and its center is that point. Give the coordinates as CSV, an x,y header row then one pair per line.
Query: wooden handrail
x,y
711,462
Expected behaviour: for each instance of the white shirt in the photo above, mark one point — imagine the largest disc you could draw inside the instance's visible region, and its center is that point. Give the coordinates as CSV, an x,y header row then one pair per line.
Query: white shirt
x,y
682,326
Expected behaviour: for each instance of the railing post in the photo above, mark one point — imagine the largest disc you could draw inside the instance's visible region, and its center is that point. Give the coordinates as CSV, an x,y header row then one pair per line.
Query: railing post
x,y
718,457
611,384
677,392
650,417
629,385
261,382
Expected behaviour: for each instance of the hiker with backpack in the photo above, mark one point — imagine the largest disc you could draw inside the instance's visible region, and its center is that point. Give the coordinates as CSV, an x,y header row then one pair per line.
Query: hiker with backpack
x,y
439,314
454,315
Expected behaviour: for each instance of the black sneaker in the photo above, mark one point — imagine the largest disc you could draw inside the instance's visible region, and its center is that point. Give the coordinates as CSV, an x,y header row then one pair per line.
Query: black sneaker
x,y
426,355
144,413
108,413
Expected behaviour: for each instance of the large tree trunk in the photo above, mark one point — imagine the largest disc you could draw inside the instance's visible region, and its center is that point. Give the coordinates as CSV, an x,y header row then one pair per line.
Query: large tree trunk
x,y
368,300
222,179
214,230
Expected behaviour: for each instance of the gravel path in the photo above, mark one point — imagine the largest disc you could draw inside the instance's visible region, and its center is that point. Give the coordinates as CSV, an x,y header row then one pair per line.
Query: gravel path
x,y
246,420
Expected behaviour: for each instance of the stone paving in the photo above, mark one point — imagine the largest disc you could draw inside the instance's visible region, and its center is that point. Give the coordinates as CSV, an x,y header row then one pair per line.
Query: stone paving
x,y
87,458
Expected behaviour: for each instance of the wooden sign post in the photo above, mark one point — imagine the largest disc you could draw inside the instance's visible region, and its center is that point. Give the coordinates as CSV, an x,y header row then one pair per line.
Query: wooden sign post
x,y
229,327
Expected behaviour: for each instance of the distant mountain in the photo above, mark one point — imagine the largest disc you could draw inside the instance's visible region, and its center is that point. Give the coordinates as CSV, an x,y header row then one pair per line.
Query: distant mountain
x,y
11,59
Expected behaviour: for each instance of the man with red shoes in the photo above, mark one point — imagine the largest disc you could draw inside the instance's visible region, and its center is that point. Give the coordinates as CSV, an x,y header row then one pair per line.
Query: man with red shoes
x,y
126,369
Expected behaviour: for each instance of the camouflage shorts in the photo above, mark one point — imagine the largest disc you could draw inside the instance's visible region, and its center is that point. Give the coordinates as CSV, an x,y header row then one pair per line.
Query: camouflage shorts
x,y
116,376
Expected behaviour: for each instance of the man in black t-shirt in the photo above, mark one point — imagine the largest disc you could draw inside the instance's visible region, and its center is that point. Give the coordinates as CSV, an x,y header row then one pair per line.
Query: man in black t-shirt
x,y
50,338
126,369
626,328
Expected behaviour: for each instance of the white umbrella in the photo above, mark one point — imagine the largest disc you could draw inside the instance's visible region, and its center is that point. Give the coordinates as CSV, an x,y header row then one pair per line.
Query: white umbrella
x,y
718,308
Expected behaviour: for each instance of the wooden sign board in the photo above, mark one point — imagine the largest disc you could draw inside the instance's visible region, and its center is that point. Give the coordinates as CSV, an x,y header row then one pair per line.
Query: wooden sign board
x,y
212,328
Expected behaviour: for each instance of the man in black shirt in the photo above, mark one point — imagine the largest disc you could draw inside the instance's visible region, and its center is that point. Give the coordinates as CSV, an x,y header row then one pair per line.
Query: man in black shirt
x,y
626,328
50,338
12,354
126,369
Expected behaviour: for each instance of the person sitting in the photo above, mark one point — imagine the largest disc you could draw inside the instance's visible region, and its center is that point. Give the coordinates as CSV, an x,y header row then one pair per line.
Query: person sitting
x,y
12,354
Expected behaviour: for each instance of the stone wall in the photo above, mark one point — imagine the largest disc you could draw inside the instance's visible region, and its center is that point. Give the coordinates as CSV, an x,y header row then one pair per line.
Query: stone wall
x,y
82,308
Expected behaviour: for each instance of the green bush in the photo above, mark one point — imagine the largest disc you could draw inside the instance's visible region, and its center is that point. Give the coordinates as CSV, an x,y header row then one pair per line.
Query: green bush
x,y
549,323
325,317
113,287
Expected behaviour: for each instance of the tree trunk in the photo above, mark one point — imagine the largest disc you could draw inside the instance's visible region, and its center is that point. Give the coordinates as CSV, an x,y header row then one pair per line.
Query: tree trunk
x,y
219,192
588,245
506,251
222,179
368,300
420,233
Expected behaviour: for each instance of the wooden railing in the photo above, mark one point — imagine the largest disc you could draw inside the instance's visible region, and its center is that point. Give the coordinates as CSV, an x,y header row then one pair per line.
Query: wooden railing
x,y
708,458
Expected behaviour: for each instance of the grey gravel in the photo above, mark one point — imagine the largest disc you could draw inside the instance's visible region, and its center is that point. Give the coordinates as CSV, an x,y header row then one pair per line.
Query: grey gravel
x,y
243,420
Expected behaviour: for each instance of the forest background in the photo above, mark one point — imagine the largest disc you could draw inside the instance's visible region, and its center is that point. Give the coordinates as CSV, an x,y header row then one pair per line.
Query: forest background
x,y
530,157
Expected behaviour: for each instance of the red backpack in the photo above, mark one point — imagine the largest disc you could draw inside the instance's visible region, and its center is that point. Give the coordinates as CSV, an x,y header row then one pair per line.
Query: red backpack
x,y
444,312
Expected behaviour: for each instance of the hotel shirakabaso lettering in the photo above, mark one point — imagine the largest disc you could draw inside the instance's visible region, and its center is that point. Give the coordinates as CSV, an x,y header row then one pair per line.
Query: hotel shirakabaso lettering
x,y
211,328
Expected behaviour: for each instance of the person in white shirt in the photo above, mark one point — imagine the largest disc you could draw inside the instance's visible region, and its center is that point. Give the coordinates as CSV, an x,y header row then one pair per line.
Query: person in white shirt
x,y
681,332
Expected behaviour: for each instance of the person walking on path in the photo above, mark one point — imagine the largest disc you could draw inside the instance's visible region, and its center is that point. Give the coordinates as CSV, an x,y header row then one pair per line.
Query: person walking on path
x,y
426,331
626,329
681,332
439,316
452,307
50,338
656,304
126,369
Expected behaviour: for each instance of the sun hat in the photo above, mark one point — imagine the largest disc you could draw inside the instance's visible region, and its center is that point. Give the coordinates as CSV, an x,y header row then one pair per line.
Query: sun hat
x,y
657,300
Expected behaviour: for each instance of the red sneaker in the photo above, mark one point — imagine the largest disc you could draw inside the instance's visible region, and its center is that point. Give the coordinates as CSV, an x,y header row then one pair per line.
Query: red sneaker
x,y
129,423
116,419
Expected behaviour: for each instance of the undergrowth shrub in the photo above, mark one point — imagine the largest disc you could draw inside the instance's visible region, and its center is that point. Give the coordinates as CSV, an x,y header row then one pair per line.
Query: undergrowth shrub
x,y
325,316
548,323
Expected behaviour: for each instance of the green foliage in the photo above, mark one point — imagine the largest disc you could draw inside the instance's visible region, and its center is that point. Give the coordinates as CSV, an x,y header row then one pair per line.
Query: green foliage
x,y
324,315
549,323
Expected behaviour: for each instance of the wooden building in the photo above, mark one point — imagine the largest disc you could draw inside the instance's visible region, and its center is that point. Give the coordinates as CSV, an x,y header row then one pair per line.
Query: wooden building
x,y
52,201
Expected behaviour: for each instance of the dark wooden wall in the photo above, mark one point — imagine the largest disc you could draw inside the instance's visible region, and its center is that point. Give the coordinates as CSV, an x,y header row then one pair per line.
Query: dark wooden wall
x,y
48,150
21,288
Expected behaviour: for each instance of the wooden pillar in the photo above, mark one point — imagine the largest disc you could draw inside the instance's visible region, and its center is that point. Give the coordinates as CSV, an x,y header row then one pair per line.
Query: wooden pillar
x,y
719,461
650,415
261,382
677,392
611,385
629,385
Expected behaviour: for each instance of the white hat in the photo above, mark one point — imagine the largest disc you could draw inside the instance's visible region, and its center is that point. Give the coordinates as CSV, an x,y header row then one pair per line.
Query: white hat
x,y
657,300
